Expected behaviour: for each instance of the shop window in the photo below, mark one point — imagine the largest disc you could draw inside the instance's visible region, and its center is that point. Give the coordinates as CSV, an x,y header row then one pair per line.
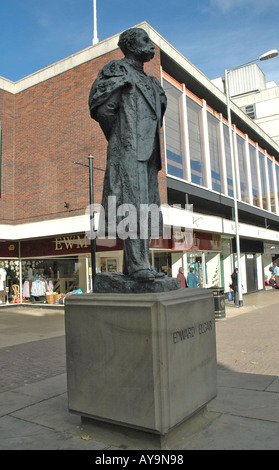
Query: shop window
x,y
254,175
173,129
10,278
277,178
228,160
194,114
194,260
52,276
215,152
263,179
212,269
271,184
0,155
108,265
163,263
243,170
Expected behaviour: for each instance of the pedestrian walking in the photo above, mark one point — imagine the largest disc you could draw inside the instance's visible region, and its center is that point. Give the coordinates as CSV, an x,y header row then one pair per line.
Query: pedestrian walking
x,y
276,272
180,275
234,286
193,280
272,282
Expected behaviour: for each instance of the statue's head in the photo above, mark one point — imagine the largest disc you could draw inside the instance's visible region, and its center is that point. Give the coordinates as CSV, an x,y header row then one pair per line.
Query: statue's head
x,y
135,42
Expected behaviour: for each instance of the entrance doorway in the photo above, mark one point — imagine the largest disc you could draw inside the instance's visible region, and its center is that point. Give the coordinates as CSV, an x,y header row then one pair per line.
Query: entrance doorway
x,y
251,273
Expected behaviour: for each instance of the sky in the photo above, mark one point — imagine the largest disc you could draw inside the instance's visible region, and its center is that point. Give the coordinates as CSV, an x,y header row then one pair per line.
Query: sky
x,y
212,34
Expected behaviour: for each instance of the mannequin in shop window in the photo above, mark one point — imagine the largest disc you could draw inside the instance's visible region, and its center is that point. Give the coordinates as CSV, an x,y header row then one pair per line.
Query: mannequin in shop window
x,y
3,276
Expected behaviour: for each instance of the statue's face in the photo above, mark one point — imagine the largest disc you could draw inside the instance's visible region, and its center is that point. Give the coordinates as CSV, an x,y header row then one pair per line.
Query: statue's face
x,y
143,48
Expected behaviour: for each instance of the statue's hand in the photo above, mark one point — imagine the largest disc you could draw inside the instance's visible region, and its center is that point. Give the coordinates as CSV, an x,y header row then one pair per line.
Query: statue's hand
x,y
127,83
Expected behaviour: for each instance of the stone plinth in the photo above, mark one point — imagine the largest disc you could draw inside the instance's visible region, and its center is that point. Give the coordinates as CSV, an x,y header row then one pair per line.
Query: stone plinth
x,y
120,284
146,361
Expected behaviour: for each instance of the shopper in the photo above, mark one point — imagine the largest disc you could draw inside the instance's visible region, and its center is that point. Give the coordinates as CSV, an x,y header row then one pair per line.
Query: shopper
x,y
234,286
272,282
276,272
193,280
180,275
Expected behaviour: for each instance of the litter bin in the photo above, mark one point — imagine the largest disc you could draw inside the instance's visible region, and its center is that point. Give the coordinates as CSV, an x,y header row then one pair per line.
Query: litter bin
x,y
219,301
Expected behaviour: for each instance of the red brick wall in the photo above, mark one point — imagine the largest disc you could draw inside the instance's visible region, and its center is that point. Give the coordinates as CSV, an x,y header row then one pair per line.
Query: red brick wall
x,y
7,101
53,129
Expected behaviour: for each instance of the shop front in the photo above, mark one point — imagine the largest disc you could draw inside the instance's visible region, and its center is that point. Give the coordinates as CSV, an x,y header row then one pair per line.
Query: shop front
x,y
62,264
270,256
44,270
37,269
190,249
252,263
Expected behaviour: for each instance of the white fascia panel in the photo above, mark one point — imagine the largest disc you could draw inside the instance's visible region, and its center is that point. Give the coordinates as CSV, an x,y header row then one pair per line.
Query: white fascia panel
x,y
179,217
46,228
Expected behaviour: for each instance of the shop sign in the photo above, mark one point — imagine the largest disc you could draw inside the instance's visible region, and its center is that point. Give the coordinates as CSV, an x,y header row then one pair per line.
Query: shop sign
x,y
198,241
271,248
182,239
9,249
57,246
65,245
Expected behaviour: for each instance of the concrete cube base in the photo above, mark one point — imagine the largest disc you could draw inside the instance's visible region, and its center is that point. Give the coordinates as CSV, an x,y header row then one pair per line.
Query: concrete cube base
x,y
146,361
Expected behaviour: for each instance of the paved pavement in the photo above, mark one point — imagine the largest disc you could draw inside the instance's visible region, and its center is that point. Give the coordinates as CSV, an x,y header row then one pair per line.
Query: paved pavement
x,y
33,391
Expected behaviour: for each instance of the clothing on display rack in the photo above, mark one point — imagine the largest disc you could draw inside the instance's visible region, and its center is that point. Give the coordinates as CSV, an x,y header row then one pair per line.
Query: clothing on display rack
x,y
38,288
26,292
3,275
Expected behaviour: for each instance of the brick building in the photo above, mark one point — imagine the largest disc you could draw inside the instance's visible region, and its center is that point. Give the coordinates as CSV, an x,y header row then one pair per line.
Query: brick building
x,y
46,127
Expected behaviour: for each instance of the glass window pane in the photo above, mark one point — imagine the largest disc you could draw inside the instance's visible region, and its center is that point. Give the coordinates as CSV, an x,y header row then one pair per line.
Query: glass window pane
x,y
173,129
228,160
263,179
57,275
0,155
277,177
194,113
215,152
243,171
271,184
254,175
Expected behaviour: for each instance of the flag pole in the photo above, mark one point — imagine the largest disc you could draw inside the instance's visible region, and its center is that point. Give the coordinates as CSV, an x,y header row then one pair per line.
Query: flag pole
x,y
95,33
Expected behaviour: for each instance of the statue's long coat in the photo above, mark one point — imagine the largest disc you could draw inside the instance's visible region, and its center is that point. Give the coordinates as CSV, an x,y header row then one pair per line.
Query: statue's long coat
x,y
129,107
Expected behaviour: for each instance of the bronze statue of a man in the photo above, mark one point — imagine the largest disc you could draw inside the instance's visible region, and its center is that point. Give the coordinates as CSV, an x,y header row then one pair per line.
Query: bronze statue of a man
x,y
129,105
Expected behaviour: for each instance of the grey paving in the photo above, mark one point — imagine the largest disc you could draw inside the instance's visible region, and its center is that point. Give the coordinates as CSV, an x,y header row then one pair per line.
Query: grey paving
x,y
33,390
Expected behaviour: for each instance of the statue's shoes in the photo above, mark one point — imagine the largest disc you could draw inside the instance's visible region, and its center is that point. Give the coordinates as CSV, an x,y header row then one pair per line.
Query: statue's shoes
x,y
157,275
143,275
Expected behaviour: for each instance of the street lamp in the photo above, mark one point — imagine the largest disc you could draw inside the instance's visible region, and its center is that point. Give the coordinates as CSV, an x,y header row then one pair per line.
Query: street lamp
x,y
266,56
92,212
91,199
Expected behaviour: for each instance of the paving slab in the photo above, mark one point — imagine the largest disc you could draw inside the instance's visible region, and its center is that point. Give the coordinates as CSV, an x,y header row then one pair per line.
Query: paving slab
x,y
230,432
274,386
247,403
23,435
33,391
228,378
15,324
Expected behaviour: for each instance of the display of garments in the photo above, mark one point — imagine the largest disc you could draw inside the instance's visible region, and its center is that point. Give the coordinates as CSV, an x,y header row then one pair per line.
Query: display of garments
x,y
3,276
50,287
29,274
26,289
38,288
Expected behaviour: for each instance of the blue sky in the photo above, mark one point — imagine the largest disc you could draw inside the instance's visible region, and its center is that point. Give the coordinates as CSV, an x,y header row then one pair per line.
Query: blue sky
x,y
212,34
